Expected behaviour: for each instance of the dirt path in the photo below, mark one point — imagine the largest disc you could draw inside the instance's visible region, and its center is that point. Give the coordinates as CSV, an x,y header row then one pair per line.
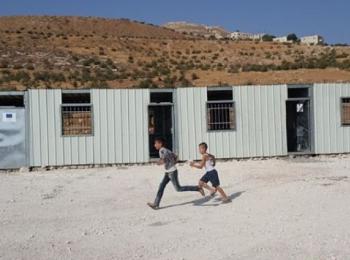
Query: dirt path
x,y
281,209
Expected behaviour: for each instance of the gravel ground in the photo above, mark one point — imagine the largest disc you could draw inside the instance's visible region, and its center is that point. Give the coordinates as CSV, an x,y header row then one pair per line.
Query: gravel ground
x,y
281,209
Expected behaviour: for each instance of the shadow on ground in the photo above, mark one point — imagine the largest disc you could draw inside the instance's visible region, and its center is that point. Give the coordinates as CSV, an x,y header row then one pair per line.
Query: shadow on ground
x,y
203,201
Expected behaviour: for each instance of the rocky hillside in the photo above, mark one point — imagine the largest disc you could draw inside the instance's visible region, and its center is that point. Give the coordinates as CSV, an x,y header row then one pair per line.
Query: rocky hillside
x,y
198,29
75,52
85,26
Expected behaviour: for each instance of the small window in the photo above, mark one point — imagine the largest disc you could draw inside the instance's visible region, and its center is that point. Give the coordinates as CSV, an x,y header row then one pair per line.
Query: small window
x,y
220,95
161,97
76,114
220,110
345,114
298,92
76,98
11,101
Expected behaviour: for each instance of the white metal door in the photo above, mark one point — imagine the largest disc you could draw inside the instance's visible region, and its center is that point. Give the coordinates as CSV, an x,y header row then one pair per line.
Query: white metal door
x,y
12,138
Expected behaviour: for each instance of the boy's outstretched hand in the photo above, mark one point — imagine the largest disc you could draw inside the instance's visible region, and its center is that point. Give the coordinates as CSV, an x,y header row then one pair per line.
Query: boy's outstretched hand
x,y
192,163
160,162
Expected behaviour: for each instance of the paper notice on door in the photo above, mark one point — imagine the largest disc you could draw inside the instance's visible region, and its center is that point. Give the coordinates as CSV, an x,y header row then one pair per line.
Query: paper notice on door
x,y
8,117
300,108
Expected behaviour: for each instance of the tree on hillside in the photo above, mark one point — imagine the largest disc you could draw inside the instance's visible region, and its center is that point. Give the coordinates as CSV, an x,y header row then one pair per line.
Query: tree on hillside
x,y
268,38
292,37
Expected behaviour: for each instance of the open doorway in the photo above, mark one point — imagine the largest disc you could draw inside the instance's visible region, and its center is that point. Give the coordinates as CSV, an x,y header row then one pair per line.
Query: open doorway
x,y
298,121
160,120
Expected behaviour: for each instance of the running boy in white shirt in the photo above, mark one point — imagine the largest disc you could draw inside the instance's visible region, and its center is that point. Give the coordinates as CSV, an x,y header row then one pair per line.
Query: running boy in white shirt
x,y
211,175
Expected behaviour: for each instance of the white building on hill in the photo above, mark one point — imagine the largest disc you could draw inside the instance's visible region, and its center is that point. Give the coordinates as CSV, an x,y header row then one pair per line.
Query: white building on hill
x,y
245,36
312,40
281,39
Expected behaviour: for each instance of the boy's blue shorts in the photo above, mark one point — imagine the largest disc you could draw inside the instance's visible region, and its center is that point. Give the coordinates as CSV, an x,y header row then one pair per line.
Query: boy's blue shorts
x,y
211,177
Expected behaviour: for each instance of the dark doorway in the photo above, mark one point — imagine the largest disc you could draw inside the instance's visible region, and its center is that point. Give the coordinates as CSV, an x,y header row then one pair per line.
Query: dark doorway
x,y
160,124
298,126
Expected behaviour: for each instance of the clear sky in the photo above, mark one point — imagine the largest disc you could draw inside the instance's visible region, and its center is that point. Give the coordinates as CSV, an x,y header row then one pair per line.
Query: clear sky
x,y
328,18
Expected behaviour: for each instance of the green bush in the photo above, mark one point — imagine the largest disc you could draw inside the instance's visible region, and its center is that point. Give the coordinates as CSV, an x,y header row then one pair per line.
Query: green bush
x,y
344,64
342,55
292,37
268,38
86,76
194,76
4,64
268,55
91,61
18,66
205,67
147,83
19,76
22,76
47,76
185,83
169,81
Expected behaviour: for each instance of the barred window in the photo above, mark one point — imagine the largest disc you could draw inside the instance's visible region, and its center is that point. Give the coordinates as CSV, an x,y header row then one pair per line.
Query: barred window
x,y
220,110
76,114
345,119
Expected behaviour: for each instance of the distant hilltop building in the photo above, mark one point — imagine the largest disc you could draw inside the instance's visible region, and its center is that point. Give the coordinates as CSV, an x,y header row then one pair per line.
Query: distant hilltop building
x,y
246,36
281,39
312,40
198,29
309,40
218,32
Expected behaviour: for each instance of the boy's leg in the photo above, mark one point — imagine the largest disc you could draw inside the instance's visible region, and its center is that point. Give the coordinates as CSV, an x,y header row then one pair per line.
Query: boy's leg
x,y
175,180
203,184
161,188
223,194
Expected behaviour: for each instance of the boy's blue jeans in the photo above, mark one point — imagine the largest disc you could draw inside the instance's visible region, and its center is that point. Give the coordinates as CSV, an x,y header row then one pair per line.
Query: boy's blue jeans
x,y
173,177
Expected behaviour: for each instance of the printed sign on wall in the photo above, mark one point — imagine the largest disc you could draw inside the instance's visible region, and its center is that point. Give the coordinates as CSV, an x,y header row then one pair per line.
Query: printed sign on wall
x,y
8,117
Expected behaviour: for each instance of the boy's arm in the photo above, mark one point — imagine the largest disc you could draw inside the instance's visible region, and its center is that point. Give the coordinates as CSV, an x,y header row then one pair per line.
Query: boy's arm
x,y
160,162
200,164
214,160
161,158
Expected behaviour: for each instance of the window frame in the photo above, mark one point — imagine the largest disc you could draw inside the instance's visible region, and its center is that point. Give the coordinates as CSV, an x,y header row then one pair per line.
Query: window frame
x,y
162,91
234,117
63,105
341,111
219,89
21,94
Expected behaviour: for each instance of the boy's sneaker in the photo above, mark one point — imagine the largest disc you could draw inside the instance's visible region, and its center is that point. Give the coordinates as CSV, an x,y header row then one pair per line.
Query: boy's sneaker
x,y
226,201
153,206
201,191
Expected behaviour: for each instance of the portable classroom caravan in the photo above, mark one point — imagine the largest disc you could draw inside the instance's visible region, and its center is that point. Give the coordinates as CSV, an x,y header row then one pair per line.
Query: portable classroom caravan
x,y
117,126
